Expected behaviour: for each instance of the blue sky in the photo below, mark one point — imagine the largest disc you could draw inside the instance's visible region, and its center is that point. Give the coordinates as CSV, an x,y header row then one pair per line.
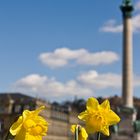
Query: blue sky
x,y
58,49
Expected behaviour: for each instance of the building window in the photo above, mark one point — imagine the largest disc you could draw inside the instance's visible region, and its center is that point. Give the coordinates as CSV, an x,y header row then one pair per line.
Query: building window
x,y
17,109
2,110
59,115
27,107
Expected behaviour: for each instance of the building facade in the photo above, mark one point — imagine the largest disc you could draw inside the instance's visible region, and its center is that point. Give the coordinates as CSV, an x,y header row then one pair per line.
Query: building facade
x,y
11,106
59,118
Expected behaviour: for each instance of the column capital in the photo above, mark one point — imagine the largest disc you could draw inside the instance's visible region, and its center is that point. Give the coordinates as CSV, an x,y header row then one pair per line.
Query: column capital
x,y
127,8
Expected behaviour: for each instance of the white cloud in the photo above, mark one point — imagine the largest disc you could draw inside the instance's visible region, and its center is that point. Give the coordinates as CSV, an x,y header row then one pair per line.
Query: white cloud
x,y
49,87
112,26
85,85
104,57
64,56
100,81
104,80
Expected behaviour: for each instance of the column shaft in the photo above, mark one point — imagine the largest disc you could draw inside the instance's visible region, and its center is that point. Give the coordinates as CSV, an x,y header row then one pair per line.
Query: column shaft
x,y
127,62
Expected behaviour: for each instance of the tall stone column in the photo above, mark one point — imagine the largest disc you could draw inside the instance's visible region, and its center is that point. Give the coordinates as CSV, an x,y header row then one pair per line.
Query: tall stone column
x,y
127,79
127,111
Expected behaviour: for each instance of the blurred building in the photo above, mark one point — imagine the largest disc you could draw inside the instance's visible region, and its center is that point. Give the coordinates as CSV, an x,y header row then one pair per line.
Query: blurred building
x,y
11,106
60,118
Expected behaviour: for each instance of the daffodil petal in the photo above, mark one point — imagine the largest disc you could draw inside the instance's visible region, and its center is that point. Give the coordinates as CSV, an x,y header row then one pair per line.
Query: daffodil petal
x,y
84,133
105,105
105,131
73,127
41,120
21,135
83,116
37,111
30,126
90,129
25,114
97,117
15,128
92,104
112,118
33,137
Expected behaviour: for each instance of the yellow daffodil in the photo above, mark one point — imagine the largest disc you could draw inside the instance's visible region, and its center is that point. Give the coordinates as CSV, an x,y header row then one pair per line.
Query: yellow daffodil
x,y
30,126
82,134
98,117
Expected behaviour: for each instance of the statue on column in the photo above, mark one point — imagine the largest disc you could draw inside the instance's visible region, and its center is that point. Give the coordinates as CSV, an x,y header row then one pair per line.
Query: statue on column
x,y
127,2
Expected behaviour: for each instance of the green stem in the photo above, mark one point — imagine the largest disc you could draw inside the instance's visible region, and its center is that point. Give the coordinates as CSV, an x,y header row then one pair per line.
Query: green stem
x,y
7,136
98,136
76,132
